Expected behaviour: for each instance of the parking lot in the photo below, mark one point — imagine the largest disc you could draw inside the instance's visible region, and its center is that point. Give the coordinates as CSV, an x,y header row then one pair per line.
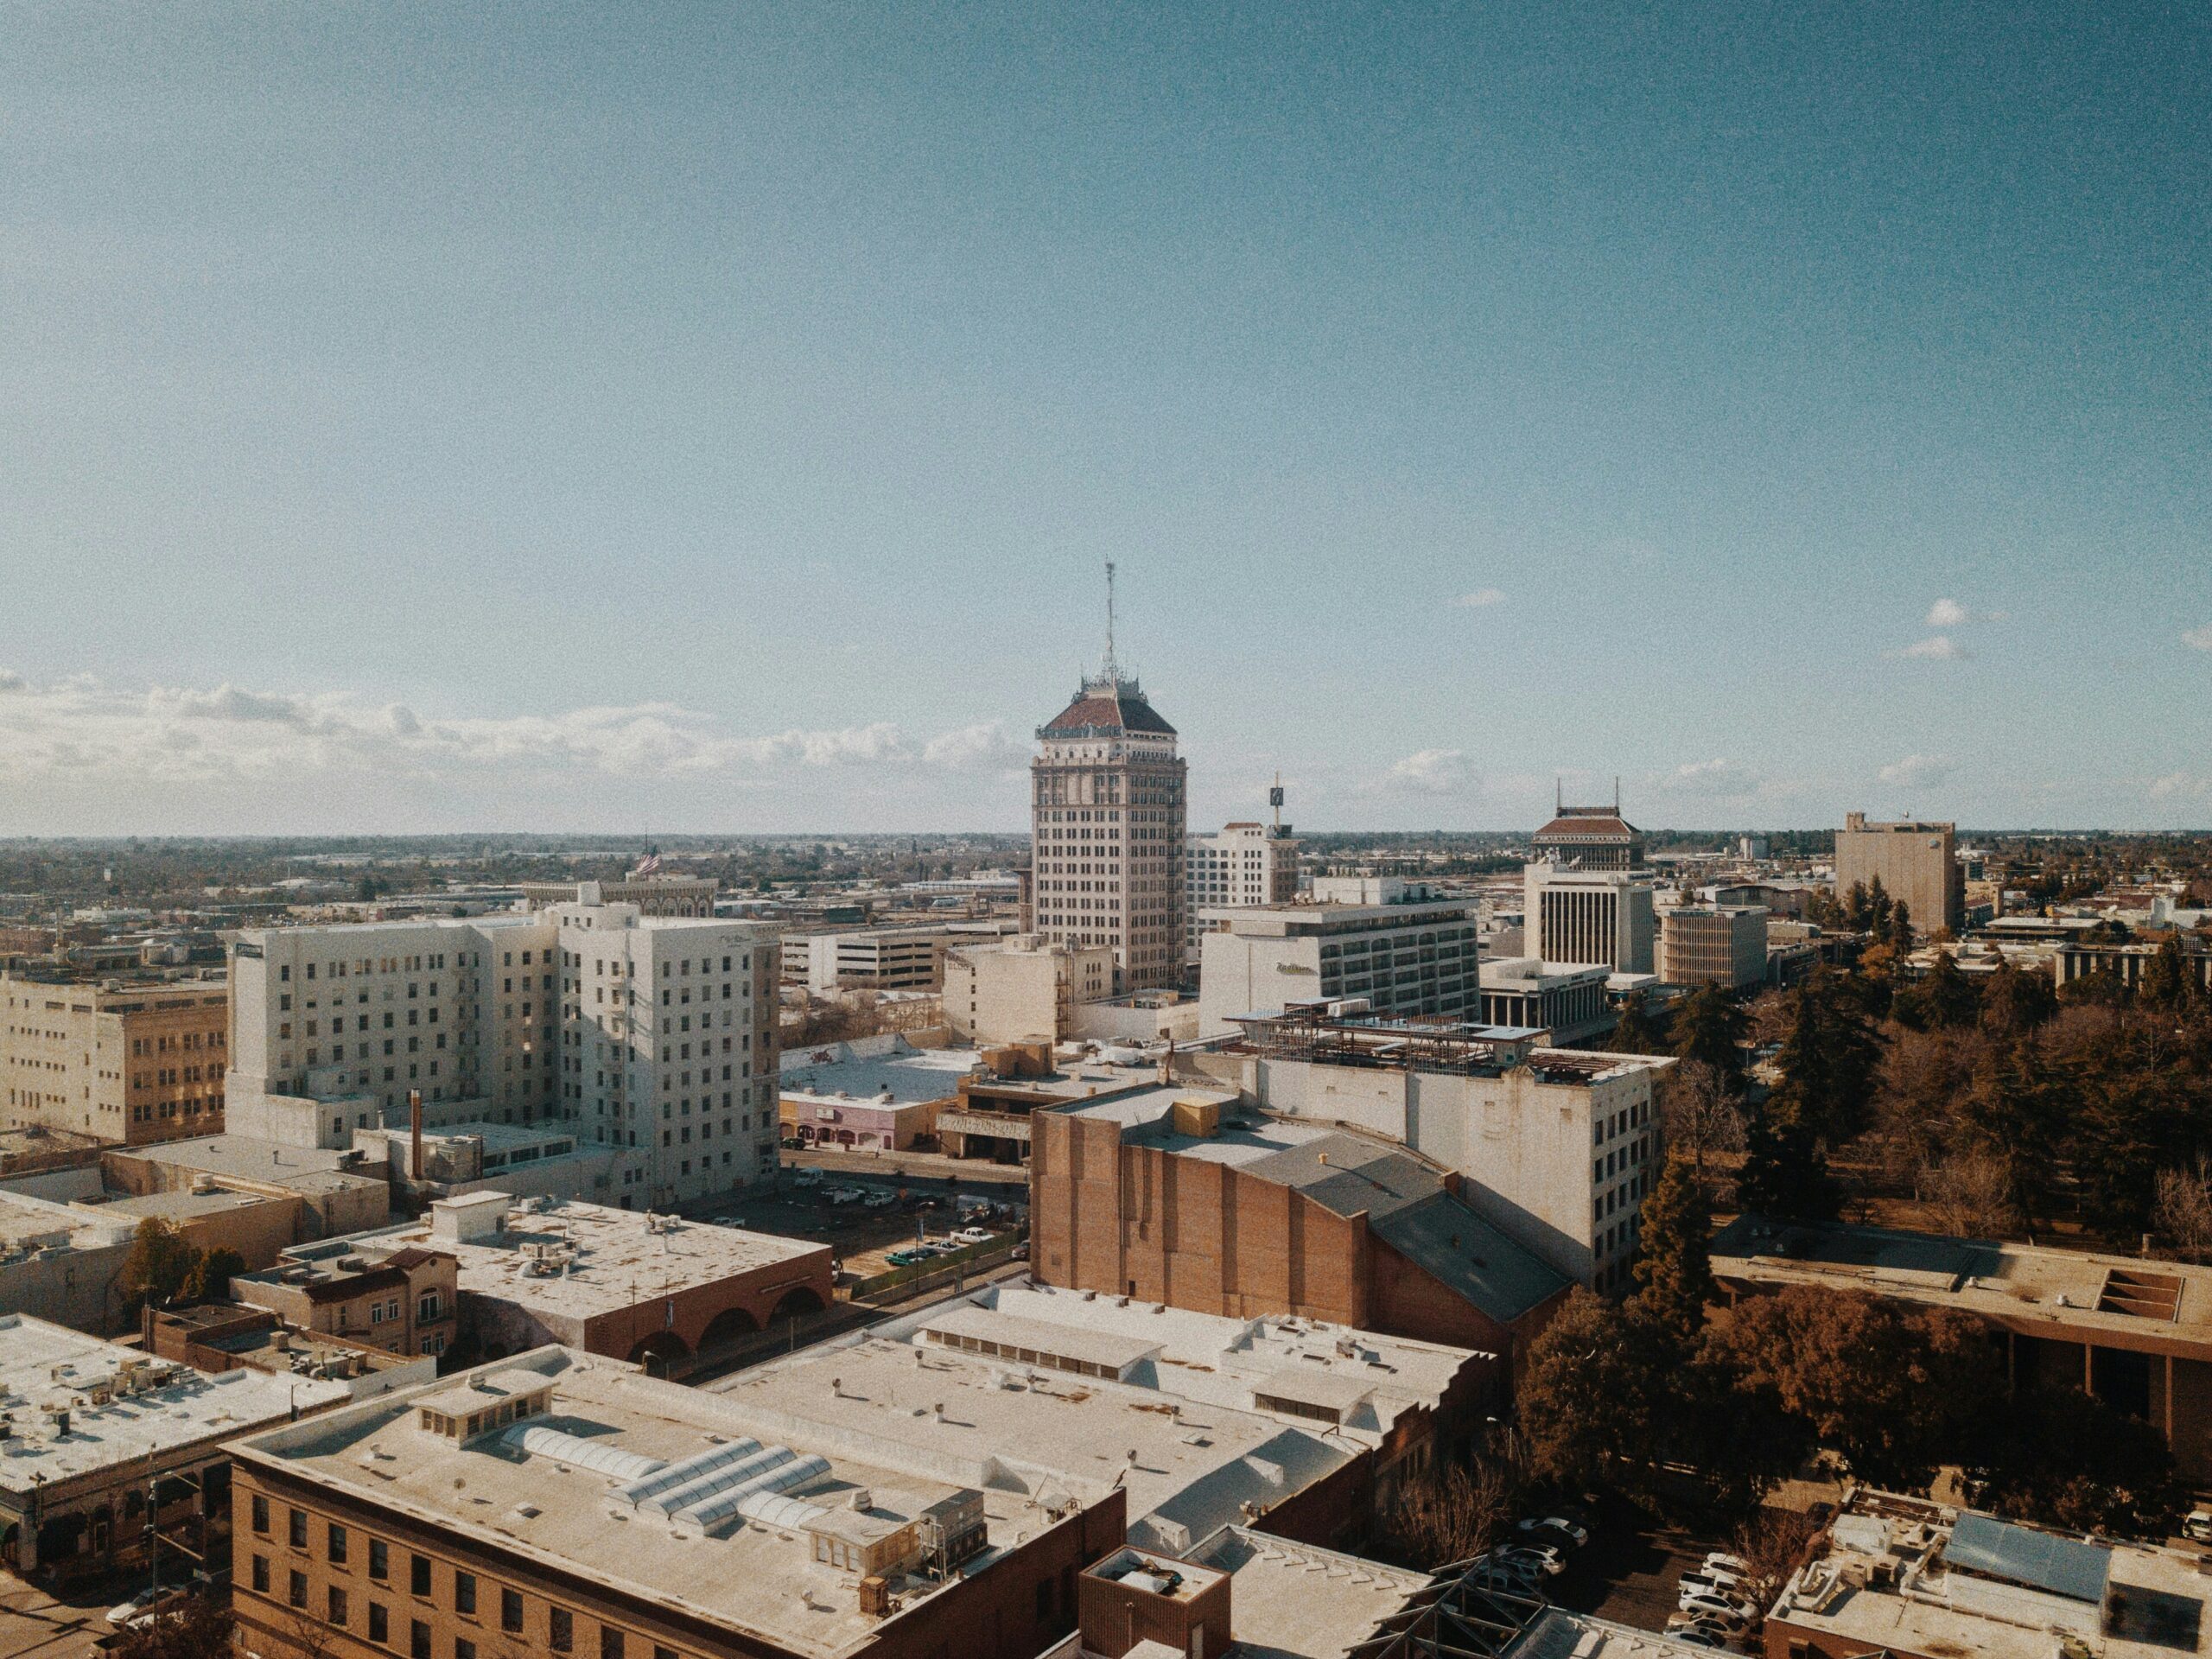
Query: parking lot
x,y
861,1236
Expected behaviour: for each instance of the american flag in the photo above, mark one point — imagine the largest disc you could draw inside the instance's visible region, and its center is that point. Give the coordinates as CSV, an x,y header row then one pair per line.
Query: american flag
x,y
647,864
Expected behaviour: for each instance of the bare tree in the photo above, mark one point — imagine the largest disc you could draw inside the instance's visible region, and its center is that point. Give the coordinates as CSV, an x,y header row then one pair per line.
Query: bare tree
x,y
1971,1194
1699,1112
1450,1514
1771,1545
2183,1209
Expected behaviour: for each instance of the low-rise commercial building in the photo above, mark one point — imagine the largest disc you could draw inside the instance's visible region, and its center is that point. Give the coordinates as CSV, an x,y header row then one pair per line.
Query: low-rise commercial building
x,y
1556,1148
2078,959
867,959
406,1300
98,1432
873,1094
59,1263
653,895
127,1058
1905,1578
1403,956
611,1282
1181,1197
1713,944
560,1502
1564,999
1022,988
223,1336
2136,1333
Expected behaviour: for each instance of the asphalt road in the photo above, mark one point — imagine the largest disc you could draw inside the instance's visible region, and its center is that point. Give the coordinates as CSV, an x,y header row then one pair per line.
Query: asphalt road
x,y
1630,1571
34,1625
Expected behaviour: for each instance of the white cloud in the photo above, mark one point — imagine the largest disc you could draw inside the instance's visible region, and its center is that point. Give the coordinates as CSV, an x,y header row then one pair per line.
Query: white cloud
x,y
1936,648
1714,776
81,727
1918,771
985,746
1433,772
2196,639
1946,614
1481,598
2181,786
11,681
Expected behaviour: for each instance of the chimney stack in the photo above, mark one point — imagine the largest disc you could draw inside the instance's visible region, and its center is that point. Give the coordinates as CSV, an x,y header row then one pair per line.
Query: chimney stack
x,y
414,1133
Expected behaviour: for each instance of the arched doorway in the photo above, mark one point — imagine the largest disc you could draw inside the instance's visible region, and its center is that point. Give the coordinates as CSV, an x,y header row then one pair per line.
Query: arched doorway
x,y
796,1303
659,1352
729,1325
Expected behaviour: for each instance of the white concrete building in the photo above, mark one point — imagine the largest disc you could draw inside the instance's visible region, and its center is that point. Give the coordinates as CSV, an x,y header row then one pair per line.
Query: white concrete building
x,y
1558,1147
1589,916
1415,956
867,958
653,1035
1245,865
1022,988
1566,999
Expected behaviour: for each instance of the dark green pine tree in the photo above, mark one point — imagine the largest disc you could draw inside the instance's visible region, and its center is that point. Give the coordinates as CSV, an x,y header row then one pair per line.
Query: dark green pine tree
x,y
1638,1031
1708,1026
1674,1269
1785,1173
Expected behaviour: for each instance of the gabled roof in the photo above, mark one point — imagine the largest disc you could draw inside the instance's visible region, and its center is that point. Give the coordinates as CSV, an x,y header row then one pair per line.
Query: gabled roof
x,y
1104,706
1576,824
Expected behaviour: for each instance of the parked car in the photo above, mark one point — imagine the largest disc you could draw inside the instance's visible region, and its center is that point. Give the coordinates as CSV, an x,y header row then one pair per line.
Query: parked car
x,y
807,1178
845,1195
1705,1605
974,1235
1545,1556
730,1221
1717,1579
1735,1564
880,1199
1560,1524
1699,1636
2198,1526
143,1606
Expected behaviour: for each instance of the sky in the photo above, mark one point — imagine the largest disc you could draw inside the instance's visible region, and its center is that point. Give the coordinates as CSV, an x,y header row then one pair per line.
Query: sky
x,y
717,417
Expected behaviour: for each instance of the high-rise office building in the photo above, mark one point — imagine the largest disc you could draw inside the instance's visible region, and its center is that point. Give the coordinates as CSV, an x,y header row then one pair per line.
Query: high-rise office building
x,y
1914,861
1246,864
1108,821
1589,916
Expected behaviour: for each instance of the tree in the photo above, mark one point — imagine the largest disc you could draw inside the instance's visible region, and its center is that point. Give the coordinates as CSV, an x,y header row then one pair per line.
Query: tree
x,y
2181,1211
1588,1403
1674,1270
2014,1003
199,1627
2066,1458
1785,1173
1897,928
1830,1060
1700,1110
1708,1026
209,1280
1449,1513
1859,907
1638,1031
1947,1002
2167,982
1971,1194
160,1262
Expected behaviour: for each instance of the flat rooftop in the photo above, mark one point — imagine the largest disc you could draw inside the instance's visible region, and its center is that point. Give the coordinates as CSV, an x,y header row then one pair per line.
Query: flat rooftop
x,y
1005,1424
2022,1286
28,1223
44,1364
1900,1574
760,1578
916,1075
615,1259
304,1169
1205,1358
1556,1633
1289,1599
181,1205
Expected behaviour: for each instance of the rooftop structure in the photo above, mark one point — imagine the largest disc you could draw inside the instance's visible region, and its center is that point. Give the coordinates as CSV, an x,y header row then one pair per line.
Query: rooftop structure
x,y
1566,1000
593,1497
61,1262
613,1281
223,1335
1912,1578
1414,958
89,1419
1590,837
653,895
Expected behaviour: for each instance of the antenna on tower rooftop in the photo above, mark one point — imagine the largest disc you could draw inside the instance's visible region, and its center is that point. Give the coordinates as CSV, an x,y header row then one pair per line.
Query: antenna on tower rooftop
x,y
1113,670
1617,794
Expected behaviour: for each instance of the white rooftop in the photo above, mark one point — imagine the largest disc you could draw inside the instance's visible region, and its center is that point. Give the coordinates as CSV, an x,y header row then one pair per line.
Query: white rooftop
x,y
44,1364
612,1259
909,1074
759,1578
30,1223
1296,1601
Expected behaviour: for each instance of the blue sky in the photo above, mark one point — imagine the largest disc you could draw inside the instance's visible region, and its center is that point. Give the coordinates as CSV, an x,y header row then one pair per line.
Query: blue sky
x,y
502,417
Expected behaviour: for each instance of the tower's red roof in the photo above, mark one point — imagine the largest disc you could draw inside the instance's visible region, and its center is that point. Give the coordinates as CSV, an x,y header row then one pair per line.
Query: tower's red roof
x,y
1591,825
1101,708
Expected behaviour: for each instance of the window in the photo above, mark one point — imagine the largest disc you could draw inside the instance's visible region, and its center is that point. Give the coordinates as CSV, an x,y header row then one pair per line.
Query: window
x,y
337,1545
379,1623
261,1574
510,1611
429,1309
464,1593
418,1575
337,1605
463,1648
379,1559
562,1638
610,1642
297,1590
298,1527
260,1513
418,1640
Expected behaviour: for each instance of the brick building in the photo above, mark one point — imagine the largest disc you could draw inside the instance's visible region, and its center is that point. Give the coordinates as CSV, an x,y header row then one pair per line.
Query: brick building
x,y
128,1059
1194,1202
406,1300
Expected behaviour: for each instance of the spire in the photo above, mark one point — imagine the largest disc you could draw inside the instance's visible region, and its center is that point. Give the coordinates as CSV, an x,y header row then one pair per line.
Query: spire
x,y
1112,672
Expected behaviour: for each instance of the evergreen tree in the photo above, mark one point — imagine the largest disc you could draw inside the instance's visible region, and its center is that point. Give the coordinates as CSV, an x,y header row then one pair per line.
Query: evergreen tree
x,y
1899,931
1708,1026
2014,1003
1638,1031
1830,1060
2166,983
1674,1269
1878,907
1858,908
1947,997
1785,1173
160,1262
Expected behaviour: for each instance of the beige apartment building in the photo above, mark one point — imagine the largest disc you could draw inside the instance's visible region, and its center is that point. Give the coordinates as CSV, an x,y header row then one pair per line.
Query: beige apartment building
x,y
1914,861
130,1060
1713,944
1024,988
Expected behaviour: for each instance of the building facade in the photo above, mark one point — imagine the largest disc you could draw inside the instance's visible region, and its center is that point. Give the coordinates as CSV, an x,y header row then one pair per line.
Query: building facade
x,y
132,1058
1245,865
1415,956
656,895
1713,944
1568,1001
1022,988
1590,838
1589,916
866,959
1109,823
1914,861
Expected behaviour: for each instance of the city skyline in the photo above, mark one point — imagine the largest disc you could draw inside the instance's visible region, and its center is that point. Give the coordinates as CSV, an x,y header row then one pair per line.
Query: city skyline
x,y
472,422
